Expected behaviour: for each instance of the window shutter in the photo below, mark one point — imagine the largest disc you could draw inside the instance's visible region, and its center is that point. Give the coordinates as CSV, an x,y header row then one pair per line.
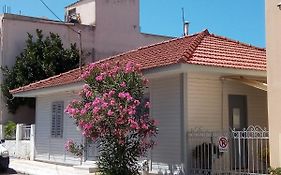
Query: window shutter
x,y
57,119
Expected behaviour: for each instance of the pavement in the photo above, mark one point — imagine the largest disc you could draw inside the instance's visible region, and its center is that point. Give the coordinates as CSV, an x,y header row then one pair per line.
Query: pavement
x,y
41,168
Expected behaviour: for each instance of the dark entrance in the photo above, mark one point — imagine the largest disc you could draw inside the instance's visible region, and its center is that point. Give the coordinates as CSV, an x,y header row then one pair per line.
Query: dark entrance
x,y
238,121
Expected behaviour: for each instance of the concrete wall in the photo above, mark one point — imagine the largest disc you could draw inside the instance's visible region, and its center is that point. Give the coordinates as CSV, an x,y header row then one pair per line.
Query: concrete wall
x,y
19,148
117,28
273,53
208,102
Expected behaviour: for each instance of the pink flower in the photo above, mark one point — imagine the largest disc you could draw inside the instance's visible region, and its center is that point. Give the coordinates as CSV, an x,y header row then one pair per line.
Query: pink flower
x,y
144,126
129,67
89,94
87,126
147,105
104,105
92,66
133,124
122,95
110,113
96,101
137,102
112,92
87,106
96,110
99,78
129,97
131,111
112,102
85,74
123,84
105,95
83,111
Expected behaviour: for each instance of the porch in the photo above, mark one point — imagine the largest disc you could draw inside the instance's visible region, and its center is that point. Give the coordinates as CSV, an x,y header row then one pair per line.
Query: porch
x,y
243,151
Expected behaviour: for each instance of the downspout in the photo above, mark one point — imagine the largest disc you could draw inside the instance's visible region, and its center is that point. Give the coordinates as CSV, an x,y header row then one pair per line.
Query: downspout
x,y
222,102
183,83
1,64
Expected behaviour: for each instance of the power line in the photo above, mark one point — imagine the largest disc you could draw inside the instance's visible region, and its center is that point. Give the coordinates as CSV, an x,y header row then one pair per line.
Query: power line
x,y
78,32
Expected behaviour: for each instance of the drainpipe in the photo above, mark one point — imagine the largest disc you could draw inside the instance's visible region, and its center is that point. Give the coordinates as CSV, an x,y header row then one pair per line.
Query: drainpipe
x,y
222,102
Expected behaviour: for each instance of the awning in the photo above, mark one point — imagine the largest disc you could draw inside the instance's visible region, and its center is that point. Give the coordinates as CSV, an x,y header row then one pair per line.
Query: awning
x,y
250,81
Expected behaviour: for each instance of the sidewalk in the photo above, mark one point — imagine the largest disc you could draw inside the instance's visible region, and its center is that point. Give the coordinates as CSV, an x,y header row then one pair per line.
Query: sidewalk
x,y
41,168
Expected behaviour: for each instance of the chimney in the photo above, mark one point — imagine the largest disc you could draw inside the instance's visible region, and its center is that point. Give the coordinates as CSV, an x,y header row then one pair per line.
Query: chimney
x,y
185,28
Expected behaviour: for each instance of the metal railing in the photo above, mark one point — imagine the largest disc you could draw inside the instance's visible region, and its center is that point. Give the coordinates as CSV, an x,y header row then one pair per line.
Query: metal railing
x,y
228,152
25,132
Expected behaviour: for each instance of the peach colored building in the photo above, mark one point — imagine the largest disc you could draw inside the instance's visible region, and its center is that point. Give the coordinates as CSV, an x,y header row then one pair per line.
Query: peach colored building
x,y
107,28
273,54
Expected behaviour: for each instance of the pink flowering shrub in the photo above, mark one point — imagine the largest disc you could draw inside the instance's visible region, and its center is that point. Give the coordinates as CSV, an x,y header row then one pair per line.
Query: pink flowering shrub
x,y
113,112
74,148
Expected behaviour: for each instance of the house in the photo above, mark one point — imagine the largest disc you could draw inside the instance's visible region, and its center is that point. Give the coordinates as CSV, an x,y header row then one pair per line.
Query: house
x,y
99,38
273,54
197,81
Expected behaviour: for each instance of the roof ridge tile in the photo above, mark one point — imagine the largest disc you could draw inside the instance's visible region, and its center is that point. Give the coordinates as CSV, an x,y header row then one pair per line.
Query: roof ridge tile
x,y
194,44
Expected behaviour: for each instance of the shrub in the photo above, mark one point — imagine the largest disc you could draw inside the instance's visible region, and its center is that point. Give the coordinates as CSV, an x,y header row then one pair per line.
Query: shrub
x,y
275,171
10,130
114,113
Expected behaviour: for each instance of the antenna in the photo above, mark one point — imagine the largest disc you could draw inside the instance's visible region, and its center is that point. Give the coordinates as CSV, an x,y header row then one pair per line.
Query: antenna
x,y
182,12
9,9
79,32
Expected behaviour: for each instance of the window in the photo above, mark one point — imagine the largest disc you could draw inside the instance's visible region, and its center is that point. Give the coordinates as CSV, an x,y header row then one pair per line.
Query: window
x,y
57,120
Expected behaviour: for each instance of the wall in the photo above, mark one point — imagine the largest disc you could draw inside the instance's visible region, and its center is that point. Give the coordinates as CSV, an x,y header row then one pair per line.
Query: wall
x,y
208,110
165,98
23,152
117,28
13,36
273,54
52,149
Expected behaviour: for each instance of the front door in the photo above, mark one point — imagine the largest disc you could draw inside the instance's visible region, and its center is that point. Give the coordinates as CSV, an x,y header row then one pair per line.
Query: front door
x,y
238,121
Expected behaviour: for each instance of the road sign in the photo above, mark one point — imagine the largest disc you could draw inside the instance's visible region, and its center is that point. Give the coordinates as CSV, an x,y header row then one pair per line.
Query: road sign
x,y
223,144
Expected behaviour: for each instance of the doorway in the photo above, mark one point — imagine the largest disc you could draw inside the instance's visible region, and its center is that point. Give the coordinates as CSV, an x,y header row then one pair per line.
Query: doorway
x,y
238,120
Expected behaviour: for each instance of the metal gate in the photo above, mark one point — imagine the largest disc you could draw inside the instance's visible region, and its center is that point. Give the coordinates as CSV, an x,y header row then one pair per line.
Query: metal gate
x,y
228,152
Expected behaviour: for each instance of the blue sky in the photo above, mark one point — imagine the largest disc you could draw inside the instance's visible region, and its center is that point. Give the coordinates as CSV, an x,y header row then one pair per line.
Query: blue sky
x,y
241,20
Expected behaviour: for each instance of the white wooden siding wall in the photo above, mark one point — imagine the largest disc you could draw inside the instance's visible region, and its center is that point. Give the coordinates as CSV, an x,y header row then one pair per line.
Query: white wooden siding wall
x,y
165,97
52,149
207,109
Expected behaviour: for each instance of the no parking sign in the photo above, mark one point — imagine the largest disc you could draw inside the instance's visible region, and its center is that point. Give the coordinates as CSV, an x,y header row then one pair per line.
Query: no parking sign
x,y
223,144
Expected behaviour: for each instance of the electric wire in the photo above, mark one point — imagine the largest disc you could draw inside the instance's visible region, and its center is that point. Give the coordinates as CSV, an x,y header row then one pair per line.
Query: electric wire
x,y
78,32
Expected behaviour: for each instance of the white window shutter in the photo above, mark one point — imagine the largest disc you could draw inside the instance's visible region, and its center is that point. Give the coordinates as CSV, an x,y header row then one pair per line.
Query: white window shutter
x,y
57,119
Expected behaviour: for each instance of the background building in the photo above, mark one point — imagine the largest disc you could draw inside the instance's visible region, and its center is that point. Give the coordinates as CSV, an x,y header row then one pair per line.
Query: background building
x,y
107,28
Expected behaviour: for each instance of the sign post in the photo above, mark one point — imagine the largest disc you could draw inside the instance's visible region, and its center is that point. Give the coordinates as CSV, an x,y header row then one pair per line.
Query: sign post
x,y
223,144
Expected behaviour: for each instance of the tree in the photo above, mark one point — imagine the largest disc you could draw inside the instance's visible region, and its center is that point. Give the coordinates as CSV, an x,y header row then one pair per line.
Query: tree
x,y
43,57
113,112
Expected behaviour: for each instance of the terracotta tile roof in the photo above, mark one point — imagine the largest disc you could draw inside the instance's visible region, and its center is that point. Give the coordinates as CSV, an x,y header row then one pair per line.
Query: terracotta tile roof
x,y
199,49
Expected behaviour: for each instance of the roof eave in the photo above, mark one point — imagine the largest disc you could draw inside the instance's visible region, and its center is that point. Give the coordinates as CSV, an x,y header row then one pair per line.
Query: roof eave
x,y
151,73
50,90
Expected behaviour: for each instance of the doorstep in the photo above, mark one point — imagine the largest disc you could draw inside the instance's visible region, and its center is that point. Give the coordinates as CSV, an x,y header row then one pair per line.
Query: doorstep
x,y
86,168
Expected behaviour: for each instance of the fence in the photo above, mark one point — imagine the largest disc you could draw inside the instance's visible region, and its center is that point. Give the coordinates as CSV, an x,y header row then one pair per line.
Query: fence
x,y
21,143
228,152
